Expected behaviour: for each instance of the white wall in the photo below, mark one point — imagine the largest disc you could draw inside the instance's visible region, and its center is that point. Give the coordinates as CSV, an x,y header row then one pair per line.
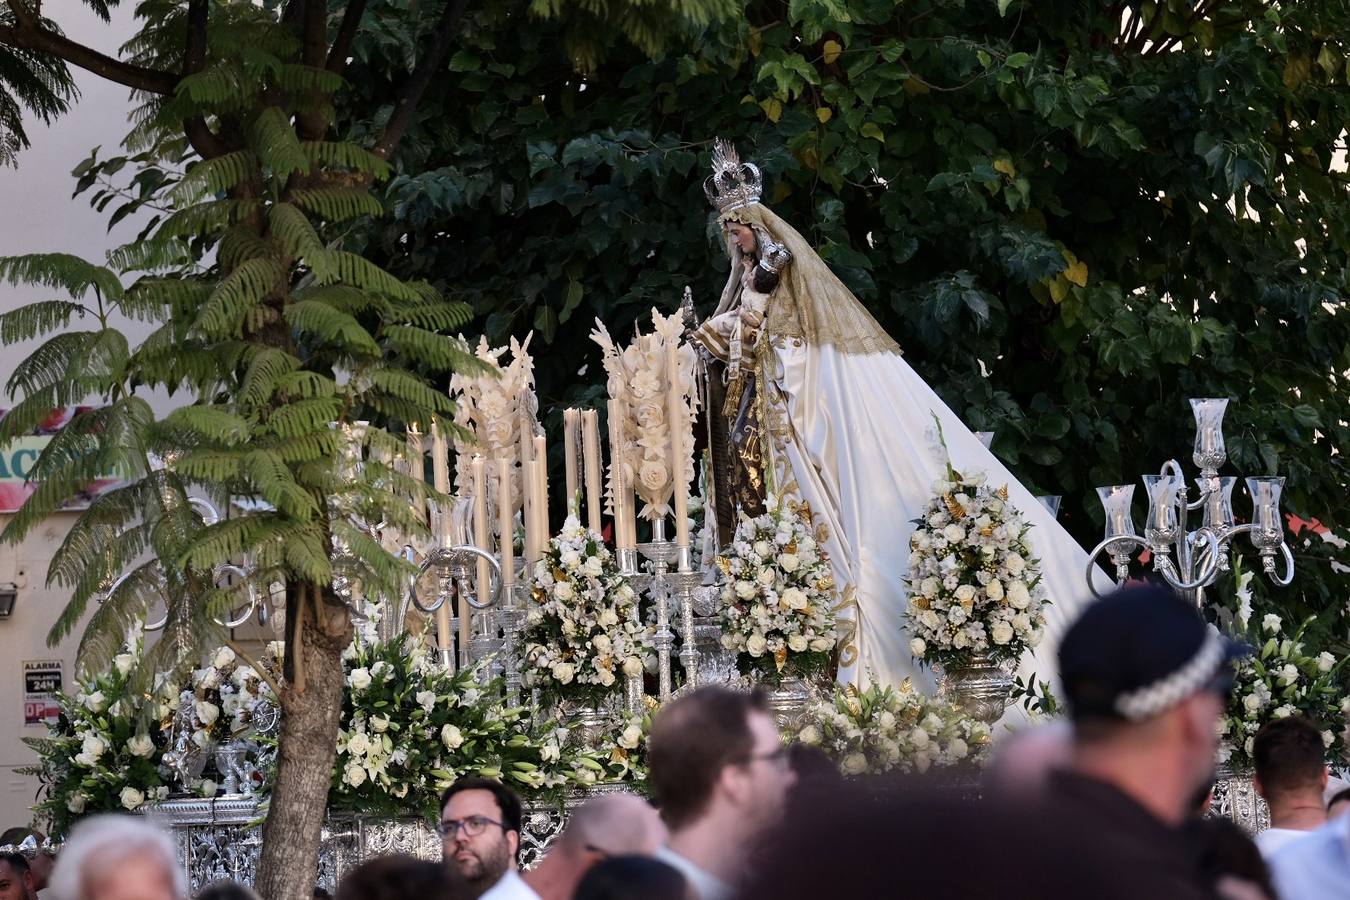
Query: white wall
x,y
37,215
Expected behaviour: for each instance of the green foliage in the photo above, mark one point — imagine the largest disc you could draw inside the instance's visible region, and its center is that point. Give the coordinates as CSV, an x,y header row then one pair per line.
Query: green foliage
x,y
1072,217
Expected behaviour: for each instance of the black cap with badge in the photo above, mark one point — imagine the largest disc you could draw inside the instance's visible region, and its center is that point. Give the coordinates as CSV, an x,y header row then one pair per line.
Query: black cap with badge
x,y
1140,651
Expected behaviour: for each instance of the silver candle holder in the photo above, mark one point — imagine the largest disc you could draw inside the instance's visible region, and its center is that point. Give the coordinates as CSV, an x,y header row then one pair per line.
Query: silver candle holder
x,y
1190,560
660,553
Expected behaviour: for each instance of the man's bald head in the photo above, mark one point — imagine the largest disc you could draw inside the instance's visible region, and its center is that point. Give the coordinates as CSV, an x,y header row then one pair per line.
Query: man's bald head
x,y
615,825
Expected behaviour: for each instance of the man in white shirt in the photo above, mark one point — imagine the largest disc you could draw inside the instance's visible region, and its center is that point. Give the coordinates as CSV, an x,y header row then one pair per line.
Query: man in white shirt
x,y
721,777
1291,774
1317,865
602,827
480,838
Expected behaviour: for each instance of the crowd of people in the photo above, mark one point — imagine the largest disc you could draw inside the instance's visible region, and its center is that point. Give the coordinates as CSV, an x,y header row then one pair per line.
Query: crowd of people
x,y
1108,803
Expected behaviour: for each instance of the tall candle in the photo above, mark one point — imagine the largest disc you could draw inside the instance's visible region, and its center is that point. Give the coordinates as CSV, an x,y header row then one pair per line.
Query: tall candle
x,y
480,540
590,435
540,457
615,473
628,517
417,466
675,414
506,538
440,474
571,426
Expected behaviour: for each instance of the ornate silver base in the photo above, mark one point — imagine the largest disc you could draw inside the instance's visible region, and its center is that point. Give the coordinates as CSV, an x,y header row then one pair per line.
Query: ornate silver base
x,y
788,703
1235,798
981,688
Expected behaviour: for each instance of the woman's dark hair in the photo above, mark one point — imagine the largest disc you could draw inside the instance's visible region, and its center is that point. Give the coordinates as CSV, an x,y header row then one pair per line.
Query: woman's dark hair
x,y
1224,849
631,878
764,281
398,878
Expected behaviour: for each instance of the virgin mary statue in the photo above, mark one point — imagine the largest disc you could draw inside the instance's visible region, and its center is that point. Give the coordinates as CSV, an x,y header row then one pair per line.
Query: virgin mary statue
x,y
824,411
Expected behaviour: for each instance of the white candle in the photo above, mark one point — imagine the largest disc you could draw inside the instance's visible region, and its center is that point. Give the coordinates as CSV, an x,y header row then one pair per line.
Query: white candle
x,y
440,474
615,474
590,435
540,457
506,538
417,466
628,515
675,414
571,426
480,540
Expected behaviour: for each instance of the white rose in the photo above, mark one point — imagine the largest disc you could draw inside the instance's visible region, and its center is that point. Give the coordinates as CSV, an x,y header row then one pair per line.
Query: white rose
x,y
602,644
789,562
1251,703
451,737
746,589
93,746
208,787
917,647
1325,661
1271,623
608,618
426,699
855,764
763,549
965,593
95,702
141,745
224,656
563,591
1019,597
75,803
631,737
810,735
563,672
919,738
1328,738
593,567
123,662
1289,673
1001,632
822,644
359,679
1016,564
994,590
794,598
755,644
355,774
358,744
767,577
379,723
797,643
207,712
570,559
632,667
929,587
131,798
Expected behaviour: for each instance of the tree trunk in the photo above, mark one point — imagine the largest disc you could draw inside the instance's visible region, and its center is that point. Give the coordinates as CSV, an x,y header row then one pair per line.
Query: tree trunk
x,y
307,746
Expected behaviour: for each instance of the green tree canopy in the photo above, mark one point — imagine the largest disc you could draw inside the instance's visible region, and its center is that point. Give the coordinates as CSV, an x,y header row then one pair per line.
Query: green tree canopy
x,y
1073,216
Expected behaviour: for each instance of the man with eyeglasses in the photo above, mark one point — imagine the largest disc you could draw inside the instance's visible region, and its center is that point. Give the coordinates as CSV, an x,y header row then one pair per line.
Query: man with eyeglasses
x,y
721,778
480,838
606,826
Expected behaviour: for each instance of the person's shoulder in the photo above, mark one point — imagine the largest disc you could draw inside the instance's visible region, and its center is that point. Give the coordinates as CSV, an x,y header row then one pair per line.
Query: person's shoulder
x,y
510,887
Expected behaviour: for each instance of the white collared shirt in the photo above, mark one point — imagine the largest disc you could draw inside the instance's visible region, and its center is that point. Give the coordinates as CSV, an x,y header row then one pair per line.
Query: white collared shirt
x,y
510,887
1272,839
705,885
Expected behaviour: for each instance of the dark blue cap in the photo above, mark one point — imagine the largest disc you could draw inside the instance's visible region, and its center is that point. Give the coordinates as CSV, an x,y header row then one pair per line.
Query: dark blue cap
x,y
1138,652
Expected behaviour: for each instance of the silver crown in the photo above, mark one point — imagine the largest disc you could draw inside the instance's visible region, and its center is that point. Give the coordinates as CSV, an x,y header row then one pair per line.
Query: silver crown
x,y
732,184
773,256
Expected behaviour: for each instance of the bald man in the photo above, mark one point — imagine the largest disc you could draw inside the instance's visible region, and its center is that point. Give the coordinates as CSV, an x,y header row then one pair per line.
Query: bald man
x,y
605,826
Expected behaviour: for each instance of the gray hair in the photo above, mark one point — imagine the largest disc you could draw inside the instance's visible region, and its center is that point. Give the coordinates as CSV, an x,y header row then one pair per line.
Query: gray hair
x,y
102,842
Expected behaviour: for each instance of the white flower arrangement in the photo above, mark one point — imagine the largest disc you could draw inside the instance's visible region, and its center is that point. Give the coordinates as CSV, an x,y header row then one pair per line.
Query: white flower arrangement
x,y
582,630
225,692
778,595
638,377
491,409
1285,678
974,582
883,729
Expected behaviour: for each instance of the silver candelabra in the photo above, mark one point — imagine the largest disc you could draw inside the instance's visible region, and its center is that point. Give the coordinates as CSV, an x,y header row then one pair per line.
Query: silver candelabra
x,y
1191,560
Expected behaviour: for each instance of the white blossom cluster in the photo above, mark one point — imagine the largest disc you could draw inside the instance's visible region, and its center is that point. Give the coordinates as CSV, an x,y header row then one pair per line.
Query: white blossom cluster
x,y
881,729
777,592
1283,679
638,377
974,584
582,631
224,692
491,407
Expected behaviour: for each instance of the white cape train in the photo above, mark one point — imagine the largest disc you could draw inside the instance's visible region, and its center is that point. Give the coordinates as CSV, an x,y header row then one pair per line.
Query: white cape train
x,y
858,450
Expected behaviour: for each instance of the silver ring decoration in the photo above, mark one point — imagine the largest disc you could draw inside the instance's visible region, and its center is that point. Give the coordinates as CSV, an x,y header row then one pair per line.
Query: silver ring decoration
x,y
458,560
238,572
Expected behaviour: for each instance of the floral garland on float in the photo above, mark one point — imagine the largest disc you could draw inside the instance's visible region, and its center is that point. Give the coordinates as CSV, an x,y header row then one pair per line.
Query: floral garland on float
x,y
1281,678
582,633
880,729
777,596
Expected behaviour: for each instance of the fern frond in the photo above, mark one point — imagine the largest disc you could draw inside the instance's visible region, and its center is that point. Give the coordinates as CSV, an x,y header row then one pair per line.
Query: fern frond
x,y
274,482
239,245
293,230
112,512
263,376
349,299
60,270
214,424
182,295
436,316
215,176
106,631
337,204
215,86
34,319
331,326
49,365
279,148
305,384
347,156
303,417
409,388
298,78
205,218
211,465
247,286
306,553
362,273
435,352
155,254
319,445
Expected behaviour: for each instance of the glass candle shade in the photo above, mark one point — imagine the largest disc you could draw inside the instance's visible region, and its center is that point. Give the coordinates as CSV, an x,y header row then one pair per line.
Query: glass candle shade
x,y
1210,452
1269,529
1162,523
1116,500
1219,505
1051,503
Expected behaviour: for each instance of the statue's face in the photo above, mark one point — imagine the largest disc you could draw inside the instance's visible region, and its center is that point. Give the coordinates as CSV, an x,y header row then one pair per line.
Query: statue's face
x,y
743,235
